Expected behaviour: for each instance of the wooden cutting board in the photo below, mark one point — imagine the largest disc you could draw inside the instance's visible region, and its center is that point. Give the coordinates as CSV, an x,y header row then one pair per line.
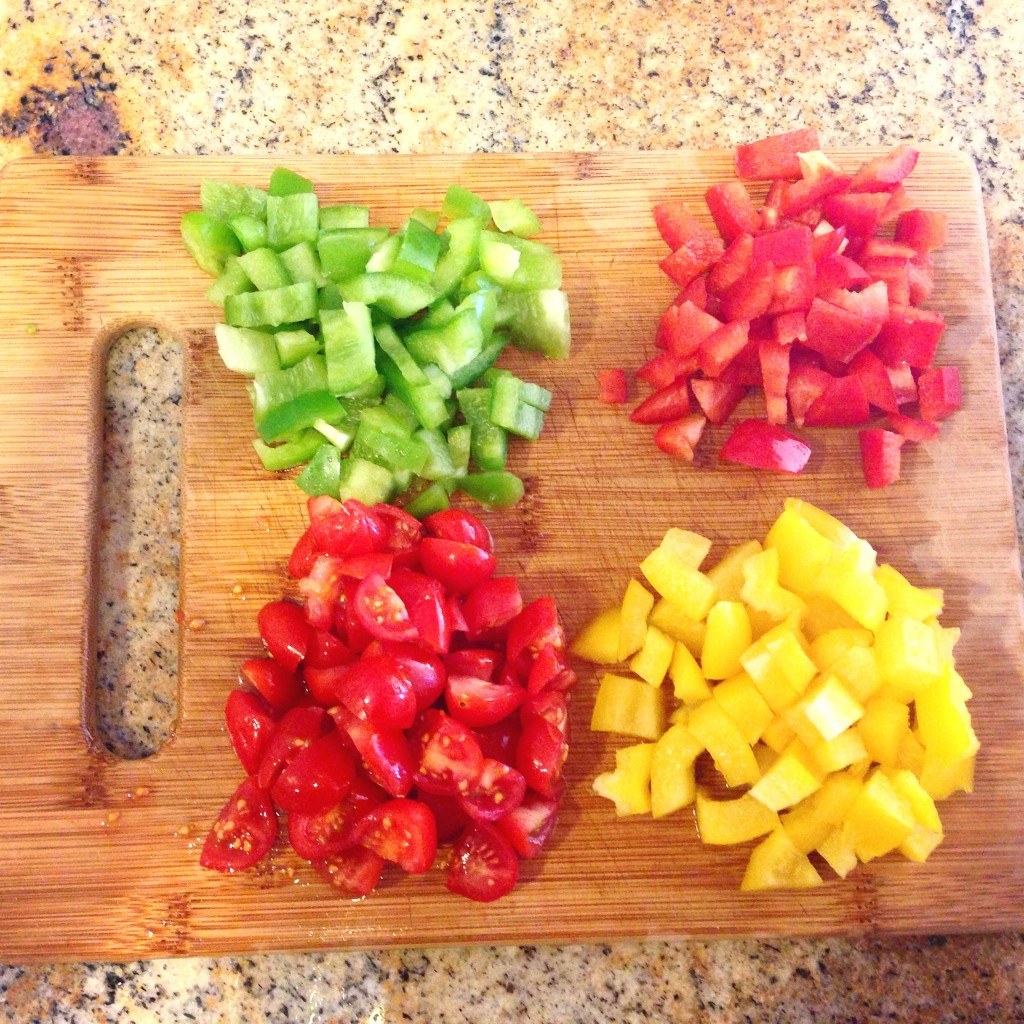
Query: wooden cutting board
x,y
87,870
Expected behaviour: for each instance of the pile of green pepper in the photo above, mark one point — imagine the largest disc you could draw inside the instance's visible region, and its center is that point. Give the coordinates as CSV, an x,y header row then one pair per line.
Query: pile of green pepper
x,y
370,353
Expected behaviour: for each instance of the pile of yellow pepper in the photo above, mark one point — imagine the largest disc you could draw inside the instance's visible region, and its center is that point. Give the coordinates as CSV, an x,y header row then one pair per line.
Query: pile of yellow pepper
x,y
821,684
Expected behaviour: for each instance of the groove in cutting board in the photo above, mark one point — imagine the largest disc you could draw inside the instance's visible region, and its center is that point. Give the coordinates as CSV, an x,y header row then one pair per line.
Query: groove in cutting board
x,y
100,856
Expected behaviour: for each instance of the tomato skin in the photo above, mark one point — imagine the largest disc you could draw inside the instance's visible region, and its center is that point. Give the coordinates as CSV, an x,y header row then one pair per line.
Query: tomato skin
x,y
500,740
351,529
551,672
317,777
285,631
534,628
297,729
424,598
326,651
499,790
280,687
244,831
529,826
449,814
402,534
401,831
484,866
355,871
325,684
250,722
477,702
425,670
462,527
322,588
303,555
381,612
378,689
448,757
540,755
327,833
460,567
386,753
473,661
550,706
491,605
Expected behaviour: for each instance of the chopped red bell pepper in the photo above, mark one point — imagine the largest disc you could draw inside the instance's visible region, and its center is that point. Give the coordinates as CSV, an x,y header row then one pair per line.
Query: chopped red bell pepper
x,y
806,383
720,348
776,156
884,173
790,327
693,257
784,247
913,429
612,384
880,456
732,209
774,359
666,367
670,403
803,195
733,266
680,437
745,368
939,393
684,327
794,289
904,386
875,380
836,332
751,296
827,243
874,248
895,272
842,404
924,230
765,446
696,292
871,303
676,224
899,202
839,271
859,213
920,279
910,336
717,398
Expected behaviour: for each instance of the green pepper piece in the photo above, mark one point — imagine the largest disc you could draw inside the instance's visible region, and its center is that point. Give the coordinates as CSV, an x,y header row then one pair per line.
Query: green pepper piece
x,y
515,216
418,253
232,281
439,380
395,295
394,449
250,231
477,281
459,443
303,264
460,202
209,241
289,305
297,414
293,451
526,391
223,200
292,219
428,218
345,216
451,347
365,481
430,500
246,351
265,269
461,258
436,316
537,321
422,398
323,474
345,253
401,411
368,395
341,438
492,490
519,264
286,183
439,462
472,371
383,259
329,297
348,346
488,442
511,411
485,304
294,346
291,399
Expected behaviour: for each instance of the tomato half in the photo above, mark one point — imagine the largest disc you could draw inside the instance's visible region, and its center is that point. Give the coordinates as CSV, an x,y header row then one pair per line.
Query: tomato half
x,y
285,631
402,534
537,626
401,831
280,686
386,754
250,722
425,670
540,755
460,567
454,524
296,731
476,702
550,706
484,865
351,529
327,833
449,760
424,599
550,671
322,587
355,871
326,651
317,777
529,826
499,790
381,612
244,831
378,689
449,814
473,661
501,739
491,605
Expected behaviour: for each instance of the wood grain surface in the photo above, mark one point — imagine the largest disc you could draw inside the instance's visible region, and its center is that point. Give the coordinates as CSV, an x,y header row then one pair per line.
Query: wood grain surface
x,y
99,858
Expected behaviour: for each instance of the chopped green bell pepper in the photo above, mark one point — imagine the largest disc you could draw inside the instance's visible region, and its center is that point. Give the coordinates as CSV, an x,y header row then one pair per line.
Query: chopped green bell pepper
x,y
462,255
265,269
289,305
223,200
395,295
345,253
515,216
460,202
348,347
430,500
323,473
246,351
290,452
303,264
294,346
519,264
286,183
250,231
209,241
291,219
345,216
537,321
365,481
450,347
232,281
492,490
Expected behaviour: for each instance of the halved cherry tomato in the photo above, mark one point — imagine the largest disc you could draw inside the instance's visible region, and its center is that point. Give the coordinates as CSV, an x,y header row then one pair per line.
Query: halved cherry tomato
x,y
454,524
477,702
449,814
303,555
327,833
401,831
317,777
358,567
244,831
424,598
501,739
325,684
499,790
448,757
322,587
381,612
540,755
491,605
425,670
550,706
484,867
473,661
460,567
377,688
355,871
250,722
534,628
285,631
296,731
530,825
326,651
386,753
402,534
320,506
350,529
281,687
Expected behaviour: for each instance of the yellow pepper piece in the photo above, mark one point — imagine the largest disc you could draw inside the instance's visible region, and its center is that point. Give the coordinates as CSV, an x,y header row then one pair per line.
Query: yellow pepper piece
x,y
837,795
944,723
885,724
673,784
776,863
727,822
724,741
629,785
761,588
880,818
688,682
636,606
672,570
780,668
828,526
728,636
837,851
598,641
858,669
907,654
744,705
628,706
802,551
669,619
830,646
727,574
839,752
941,779
792,778
847,581
823,614
805,827
778,735
651,662
906,599
830,707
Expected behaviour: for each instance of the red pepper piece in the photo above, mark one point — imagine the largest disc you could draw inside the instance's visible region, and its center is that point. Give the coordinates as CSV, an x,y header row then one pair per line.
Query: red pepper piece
x,y
802,196
670,403
859,213
665,367
717,398
913,429
836,332
806,383
696,292
765,446
904,386
693,257
909,336
784,247
723,346
842,404
875,380
732,209
939,393
884,173
679,438
793,290
920,279
839,271
684,330
872,303
790,327
612,384
880,457
774,359
676,224
827,243
899,202
775,156
751,296
923,230
733,266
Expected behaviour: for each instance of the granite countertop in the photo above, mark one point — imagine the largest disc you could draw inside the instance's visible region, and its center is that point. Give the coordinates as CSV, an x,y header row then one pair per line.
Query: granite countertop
x,y
225,76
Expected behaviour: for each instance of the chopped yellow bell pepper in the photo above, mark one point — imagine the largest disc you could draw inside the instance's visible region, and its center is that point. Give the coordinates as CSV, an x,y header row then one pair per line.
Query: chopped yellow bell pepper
x,y
727,574
728,636
906,599
776,863
830,707
672,569
792,778
727,822
944,723
802,551
884,725
636,606
598,641
628,706
651,662
804,826
744,705
673,784
629,785
830,646
845,579
761,588
669,619
880,818
688,682
724,741
907,653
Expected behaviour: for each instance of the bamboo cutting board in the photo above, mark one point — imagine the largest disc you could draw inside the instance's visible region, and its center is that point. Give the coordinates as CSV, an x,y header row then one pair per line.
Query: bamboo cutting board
x,y
89,870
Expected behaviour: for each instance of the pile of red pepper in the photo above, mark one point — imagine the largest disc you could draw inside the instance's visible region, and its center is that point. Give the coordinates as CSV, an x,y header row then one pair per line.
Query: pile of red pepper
x,y
804,300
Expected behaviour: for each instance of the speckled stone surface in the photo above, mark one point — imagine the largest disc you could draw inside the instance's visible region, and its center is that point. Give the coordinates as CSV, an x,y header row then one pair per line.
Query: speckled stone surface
x,y
95,76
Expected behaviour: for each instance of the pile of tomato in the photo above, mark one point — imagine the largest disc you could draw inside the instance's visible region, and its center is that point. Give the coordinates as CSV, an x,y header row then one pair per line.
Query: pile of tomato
x,y
412,699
